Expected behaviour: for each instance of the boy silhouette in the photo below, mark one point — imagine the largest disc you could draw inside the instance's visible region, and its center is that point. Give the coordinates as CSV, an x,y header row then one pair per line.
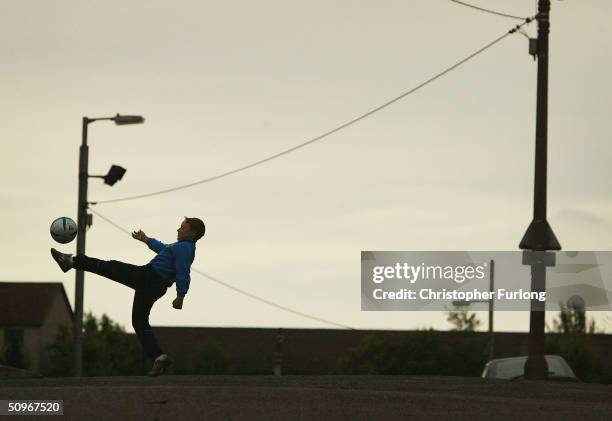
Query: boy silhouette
x,y
150,282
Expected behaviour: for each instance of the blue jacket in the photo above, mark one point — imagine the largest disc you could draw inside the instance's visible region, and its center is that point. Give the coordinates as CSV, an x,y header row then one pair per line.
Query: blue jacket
x,y
173,262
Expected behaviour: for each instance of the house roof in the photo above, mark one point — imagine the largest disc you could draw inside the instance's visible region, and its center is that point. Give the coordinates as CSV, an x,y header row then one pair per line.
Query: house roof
x,y
27,303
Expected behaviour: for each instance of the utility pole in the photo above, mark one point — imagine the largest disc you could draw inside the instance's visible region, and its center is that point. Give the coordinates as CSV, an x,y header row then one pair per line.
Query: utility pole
x,y
491,309
539,236
464,303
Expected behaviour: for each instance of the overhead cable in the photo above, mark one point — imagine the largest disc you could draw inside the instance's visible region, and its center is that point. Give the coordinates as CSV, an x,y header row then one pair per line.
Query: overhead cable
x,y
326,134
493,12
238,290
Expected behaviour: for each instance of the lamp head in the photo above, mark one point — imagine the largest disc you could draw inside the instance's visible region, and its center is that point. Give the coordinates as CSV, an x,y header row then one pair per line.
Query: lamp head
x,y
128,119
114,174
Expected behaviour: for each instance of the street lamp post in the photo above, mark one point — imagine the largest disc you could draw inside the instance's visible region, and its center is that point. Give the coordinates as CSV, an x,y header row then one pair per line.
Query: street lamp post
x,y
82,221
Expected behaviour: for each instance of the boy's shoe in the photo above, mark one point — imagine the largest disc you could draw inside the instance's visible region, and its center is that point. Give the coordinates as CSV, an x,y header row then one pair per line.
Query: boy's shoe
x,y
63,260
160,365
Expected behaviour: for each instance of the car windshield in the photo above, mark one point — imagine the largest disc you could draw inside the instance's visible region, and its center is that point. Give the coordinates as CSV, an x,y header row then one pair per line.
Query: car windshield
x,y
509,369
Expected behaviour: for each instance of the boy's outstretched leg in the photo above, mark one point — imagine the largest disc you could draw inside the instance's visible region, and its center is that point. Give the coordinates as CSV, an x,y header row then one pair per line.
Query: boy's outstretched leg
x,y
124,273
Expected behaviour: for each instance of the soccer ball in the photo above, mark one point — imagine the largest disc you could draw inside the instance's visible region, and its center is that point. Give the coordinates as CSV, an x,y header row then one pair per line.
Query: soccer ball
x,y
63,230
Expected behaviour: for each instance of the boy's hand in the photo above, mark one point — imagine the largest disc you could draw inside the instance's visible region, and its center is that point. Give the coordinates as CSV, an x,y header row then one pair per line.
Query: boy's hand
x,y
140,236
178,302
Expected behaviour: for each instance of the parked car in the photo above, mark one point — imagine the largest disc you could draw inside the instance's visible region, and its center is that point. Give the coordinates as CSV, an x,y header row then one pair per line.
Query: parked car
x,y
514,368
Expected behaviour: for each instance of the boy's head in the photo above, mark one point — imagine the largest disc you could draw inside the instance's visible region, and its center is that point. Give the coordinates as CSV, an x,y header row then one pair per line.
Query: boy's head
x,y
191,229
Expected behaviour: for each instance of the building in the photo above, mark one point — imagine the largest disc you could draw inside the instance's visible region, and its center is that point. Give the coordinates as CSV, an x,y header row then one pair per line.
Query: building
x,y
319,351
30,316
259,350
251,350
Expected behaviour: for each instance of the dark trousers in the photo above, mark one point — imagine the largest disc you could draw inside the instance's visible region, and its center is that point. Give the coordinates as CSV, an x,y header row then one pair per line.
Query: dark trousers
x,y
148,287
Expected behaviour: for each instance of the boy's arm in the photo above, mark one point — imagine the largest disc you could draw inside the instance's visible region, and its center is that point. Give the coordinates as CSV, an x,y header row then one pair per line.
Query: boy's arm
x,y
154,244
184,258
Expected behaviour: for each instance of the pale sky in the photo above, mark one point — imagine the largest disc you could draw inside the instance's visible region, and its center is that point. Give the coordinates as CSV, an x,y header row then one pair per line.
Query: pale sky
x,y
223,84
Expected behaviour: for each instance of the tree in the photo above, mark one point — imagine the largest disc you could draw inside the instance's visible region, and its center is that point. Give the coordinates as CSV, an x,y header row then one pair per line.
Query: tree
x,y
572,341
12,353
107,350
463,320
573,320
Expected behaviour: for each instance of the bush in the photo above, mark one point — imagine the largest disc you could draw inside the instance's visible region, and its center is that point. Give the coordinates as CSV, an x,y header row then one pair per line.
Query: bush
x,y
583,356
416,353
211,359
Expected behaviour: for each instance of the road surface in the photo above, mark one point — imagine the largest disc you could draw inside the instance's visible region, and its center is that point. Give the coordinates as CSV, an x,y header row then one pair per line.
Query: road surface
x,y
314,398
